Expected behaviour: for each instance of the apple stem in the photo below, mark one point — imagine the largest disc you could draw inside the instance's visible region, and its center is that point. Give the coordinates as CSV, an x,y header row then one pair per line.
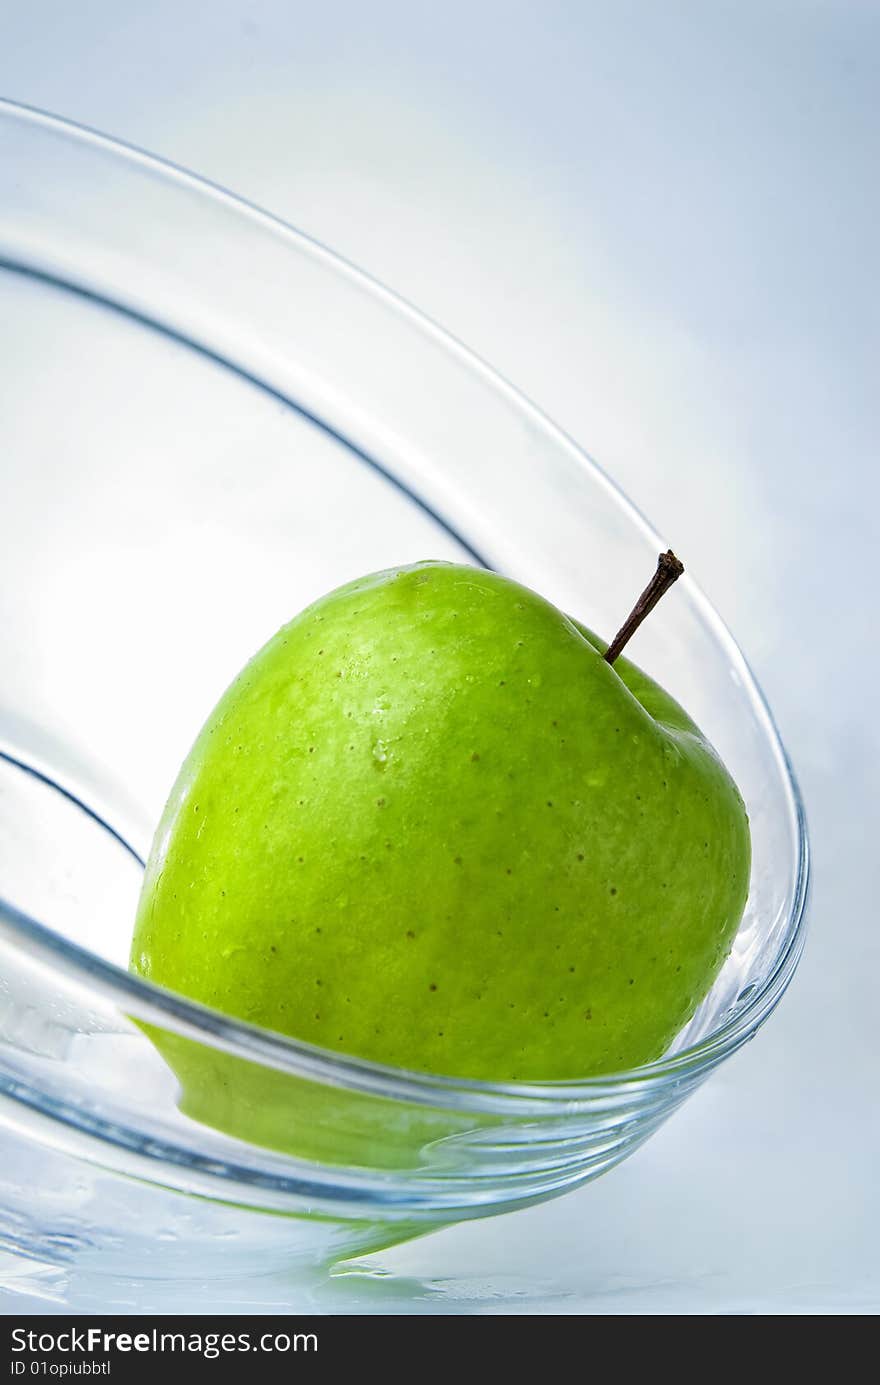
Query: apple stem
x,y
669,569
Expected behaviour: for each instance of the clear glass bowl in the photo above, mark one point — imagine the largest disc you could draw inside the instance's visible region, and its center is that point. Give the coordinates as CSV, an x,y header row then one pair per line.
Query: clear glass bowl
x,y
207,420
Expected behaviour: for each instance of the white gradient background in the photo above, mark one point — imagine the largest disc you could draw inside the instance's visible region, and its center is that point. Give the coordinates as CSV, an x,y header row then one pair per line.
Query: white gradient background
x,y
659,220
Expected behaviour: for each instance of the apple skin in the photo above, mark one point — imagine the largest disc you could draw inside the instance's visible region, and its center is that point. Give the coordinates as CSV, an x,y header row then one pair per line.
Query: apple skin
x,y
428,825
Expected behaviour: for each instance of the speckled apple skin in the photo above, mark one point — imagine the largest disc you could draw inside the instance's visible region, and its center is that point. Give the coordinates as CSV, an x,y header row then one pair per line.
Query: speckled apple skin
x,y
430,826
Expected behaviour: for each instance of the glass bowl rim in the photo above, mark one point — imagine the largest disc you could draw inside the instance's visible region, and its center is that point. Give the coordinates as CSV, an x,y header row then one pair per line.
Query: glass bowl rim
x,y
167,1009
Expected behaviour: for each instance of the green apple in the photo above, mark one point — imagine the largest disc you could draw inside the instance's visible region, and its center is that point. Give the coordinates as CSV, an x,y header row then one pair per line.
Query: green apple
x,y
430,825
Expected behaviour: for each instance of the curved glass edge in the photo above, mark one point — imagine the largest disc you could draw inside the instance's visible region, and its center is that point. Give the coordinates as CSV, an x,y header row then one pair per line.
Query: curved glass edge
x,y
178,1014
293,1186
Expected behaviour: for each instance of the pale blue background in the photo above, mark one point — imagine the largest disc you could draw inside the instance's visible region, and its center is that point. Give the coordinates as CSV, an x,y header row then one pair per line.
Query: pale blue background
x,y
660,220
